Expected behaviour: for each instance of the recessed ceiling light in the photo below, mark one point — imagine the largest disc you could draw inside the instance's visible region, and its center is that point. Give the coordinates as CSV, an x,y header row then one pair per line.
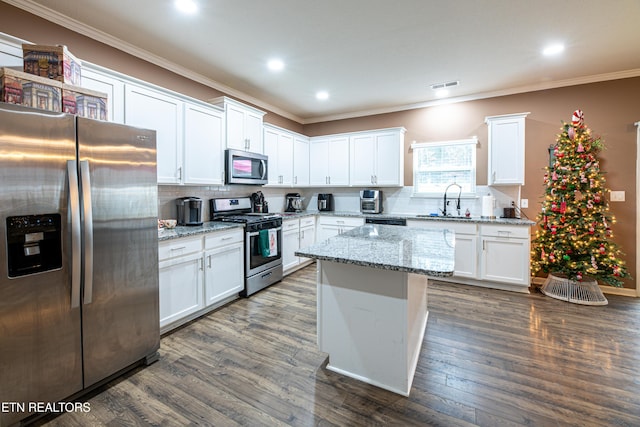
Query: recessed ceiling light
x,y
553,49
186,6
275,65
322,95
441,93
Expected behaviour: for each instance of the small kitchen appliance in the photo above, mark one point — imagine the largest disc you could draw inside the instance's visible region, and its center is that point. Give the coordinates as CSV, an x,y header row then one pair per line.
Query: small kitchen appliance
x,y
293,202
260,269
325,202
258,203
371,201
189,211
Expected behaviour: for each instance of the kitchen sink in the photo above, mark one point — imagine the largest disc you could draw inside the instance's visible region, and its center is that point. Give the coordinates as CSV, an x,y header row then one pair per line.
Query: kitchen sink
x,y
442,216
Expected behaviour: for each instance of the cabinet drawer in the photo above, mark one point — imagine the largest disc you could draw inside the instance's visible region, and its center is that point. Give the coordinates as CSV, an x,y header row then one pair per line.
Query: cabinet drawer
x,y
341,221
179,247
290,224
505,231
308,222
458,226
222,238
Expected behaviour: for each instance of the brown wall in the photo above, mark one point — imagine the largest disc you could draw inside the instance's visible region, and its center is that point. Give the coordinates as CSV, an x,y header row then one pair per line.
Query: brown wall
x,y
611,109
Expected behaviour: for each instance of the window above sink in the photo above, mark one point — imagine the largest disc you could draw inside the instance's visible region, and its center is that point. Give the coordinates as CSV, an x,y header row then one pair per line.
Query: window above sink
x,y
436,165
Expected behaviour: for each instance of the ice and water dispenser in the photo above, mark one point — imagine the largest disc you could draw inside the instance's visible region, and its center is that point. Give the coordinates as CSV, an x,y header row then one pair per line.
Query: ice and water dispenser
x,y
34,244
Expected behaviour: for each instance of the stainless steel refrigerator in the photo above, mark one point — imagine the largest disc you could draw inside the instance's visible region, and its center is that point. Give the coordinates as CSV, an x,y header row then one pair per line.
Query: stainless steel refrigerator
x,y
78,255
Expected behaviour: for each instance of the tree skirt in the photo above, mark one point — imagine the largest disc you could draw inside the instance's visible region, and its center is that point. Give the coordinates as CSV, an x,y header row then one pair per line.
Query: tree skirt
x,y
585,292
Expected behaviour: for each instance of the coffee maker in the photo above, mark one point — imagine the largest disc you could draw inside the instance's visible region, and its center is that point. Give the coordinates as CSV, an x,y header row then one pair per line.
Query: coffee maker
x,y
294,202
189,211
325,202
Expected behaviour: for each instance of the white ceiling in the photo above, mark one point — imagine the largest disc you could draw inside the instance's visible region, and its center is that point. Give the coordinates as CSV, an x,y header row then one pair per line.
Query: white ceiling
x,y
370,55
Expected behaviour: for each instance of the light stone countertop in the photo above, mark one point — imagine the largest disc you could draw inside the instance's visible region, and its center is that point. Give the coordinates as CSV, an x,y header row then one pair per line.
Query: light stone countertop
x,y
389,247
211,226
186,231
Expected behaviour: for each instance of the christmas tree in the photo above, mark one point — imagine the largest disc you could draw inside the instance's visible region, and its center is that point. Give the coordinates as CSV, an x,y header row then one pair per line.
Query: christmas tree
x,y
574,237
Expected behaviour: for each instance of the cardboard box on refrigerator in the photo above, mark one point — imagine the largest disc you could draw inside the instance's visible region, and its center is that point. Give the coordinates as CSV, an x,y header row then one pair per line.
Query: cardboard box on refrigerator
x,y
84,102
54,62
17,87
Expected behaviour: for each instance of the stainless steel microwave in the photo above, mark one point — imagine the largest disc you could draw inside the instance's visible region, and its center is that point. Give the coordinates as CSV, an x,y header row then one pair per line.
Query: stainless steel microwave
x,y
243,167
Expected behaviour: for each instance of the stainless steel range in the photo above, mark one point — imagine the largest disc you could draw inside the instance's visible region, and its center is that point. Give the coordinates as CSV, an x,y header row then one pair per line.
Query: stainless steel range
x,y
263,258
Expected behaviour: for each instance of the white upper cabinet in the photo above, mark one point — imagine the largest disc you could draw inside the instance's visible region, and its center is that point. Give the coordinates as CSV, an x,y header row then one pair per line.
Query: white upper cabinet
x,y
203,145
506,149
189,134
278,146
151,109
377,158
102,81
300,160
243,125
329,161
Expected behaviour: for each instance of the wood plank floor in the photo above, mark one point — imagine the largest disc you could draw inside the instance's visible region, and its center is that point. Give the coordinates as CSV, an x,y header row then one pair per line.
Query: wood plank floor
x,y
489,358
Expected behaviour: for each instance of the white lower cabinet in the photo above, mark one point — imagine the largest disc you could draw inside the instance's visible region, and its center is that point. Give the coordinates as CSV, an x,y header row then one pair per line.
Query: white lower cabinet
x,y
181,279
224,265
307,235
290,243
197,274
466,253
296,234
330,226
505,254
489,255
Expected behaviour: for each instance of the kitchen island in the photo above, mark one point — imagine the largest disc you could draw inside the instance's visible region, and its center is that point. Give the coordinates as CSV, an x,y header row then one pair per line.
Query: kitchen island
x,y
372,299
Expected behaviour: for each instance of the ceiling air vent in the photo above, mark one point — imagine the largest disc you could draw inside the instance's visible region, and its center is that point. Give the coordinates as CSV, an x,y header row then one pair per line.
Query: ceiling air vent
x,y
437,86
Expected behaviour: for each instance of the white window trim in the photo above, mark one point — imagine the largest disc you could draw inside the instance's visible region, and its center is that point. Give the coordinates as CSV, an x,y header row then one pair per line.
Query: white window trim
x,y
432,195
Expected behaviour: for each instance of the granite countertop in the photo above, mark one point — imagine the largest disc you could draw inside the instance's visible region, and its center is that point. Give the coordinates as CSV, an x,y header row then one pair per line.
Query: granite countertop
x,y
389,247
184,231
473,219
207,227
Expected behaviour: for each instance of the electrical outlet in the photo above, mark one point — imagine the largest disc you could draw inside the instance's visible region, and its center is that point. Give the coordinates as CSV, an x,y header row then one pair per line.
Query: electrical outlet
x,y
524,203
617,196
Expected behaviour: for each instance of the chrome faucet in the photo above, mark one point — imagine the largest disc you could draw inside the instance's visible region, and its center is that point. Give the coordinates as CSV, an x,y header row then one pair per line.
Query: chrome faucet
x,y
444,211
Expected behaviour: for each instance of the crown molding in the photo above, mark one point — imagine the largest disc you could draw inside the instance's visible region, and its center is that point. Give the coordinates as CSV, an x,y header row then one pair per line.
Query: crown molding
x,y
484,95
95,34
98,35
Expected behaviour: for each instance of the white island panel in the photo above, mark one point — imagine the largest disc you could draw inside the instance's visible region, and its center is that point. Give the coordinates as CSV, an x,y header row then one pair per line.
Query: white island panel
x,y
372,323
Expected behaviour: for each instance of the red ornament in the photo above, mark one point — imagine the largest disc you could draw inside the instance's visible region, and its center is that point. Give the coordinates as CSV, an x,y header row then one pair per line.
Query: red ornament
x,y
563,206
591,230
596,198
579,276
602,249
554,230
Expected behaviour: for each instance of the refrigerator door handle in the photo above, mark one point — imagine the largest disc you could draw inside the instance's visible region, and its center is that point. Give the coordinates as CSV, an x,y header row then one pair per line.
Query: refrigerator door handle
x,y
76,238
88,231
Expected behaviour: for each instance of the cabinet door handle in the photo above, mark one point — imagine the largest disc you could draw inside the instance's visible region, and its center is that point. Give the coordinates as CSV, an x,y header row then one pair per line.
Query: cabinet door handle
x,y
227,238
209,261
376,179
178,248
295,179
180,173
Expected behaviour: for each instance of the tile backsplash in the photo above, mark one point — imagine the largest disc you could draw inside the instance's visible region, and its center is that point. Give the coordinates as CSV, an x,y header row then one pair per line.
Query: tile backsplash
x,y
395,200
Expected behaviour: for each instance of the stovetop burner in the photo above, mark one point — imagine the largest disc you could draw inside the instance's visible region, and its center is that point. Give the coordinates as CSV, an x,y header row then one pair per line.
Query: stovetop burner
x,y
246,218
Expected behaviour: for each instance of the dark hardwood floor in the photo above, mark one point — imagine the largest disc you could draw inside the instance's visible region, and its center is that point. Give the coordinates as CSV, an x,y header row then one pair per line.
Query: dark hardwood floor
x,y
489,358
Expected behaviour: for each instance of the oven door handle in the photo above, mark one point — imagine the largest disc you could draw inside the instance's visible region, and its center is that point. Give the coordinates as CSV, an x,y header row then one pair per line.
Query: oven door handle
x,y
257,232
